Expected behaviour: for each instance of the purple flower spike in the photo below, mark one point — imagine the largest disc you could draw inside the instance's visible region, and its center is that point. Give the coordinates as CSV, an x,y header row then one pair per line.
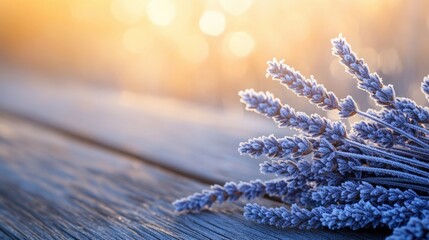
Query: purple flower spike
x,y
375,174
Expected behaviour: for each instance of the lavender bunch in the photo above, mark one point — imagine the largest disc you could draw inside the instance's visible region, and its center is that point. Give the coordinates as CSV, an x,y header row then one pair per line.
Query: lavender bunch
x,y
375,174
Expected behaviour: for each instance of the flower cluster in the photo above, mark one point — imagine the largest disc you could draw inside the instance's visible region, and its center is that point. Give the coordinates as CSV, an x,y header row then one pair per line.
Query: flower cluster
x,y
375,174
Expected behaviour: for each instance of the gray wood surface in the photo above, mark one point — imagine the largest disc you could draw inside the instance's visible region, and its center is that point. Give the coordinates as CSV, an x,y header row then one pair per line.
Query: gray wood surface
x,y
52,187
154,129
77,162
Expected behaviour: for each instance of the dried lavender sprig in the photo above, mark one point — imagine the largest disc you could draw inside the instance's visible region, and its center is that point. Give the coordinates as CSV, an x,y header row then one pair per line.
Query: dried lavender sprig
x,y
302,198
313,126
230,191
403,152
301,86
411,161
425,87
298,176
262,103
325,161
233,191
385,161
404,110
354,191
396,182
395,118
416,228
290,191
281,217
417,128
377,133
373,84
391,179
318,94
363,214
331,153
417,149
410,108
370,82
287,168
324,158
349,108
284,115
371,131
279,187
336,155
276,148
415,179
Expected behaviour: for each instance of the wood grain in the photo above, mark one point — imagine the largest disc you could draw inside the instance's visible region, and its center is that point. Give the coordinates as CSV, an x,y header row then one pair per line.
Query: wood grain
x,y
190,139
55,188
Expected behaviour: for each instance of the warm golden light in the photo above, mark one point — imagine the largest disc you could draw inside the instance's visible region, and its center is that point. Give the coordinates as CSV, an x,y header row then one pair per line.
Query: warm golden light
x,y
212,23
136,40
240,44
236,7
167,47
128,11
161,12
194,49
390,62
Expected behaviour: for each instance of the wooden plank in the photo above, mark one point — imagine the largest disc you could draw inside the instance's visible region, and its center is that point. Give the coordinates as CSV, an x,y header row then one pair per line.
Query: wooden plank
x,y
184,137
55,188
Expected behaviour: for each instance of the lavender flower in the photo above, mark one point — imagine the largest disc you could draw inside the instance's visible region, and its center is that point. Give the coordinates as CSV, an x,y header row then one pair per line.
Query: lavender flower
x,y
364,214
412,110
276,148
262,103
370,82
372,132
376,174
425,87
353,192
296,170
230,191
281,217
416,228
302,87
285,116
348,107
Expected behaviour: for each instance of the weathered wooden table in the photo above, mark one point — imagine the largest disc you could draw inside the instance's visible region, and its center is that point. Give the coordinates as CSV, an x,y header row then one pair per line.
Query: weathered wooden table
x,y
79,163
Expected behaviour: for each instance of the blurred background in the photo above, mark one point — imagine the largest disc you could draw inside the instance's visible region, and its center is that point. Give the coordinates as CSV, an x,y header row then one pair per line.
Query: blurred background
x,y
206,51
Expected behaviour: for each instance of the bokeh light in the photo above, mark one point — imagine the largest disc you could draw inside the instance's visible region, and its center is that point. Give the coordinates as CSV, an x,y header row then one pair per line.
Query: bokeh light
x,y
161,12
128,11
236,7
240,43
136,40
205,51
212,23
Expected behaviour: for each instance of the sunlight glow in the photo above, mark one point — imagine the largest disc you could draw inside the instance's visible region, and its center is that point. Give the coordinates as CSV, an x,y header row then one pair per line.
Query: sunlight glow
x,y
161,12
128,11
168,46
390,61
136,40
240,44
194,49
235,7
212,23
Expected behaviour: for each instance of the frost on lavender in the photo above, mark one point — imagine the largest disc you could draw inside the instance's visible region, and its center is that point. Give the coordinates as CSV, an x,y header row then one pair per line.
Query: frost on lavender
x,y
375,174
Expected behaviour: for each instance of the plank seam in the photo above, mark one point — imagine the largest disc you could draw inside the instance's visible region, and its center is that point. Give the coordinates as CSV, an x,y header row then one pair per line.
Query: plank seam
x,y
102,145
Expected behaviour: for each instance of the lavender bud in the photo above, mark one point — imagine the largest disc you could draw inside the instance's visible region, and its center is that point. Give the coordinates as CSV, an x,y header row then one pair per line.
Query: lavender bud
x,y
348,107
